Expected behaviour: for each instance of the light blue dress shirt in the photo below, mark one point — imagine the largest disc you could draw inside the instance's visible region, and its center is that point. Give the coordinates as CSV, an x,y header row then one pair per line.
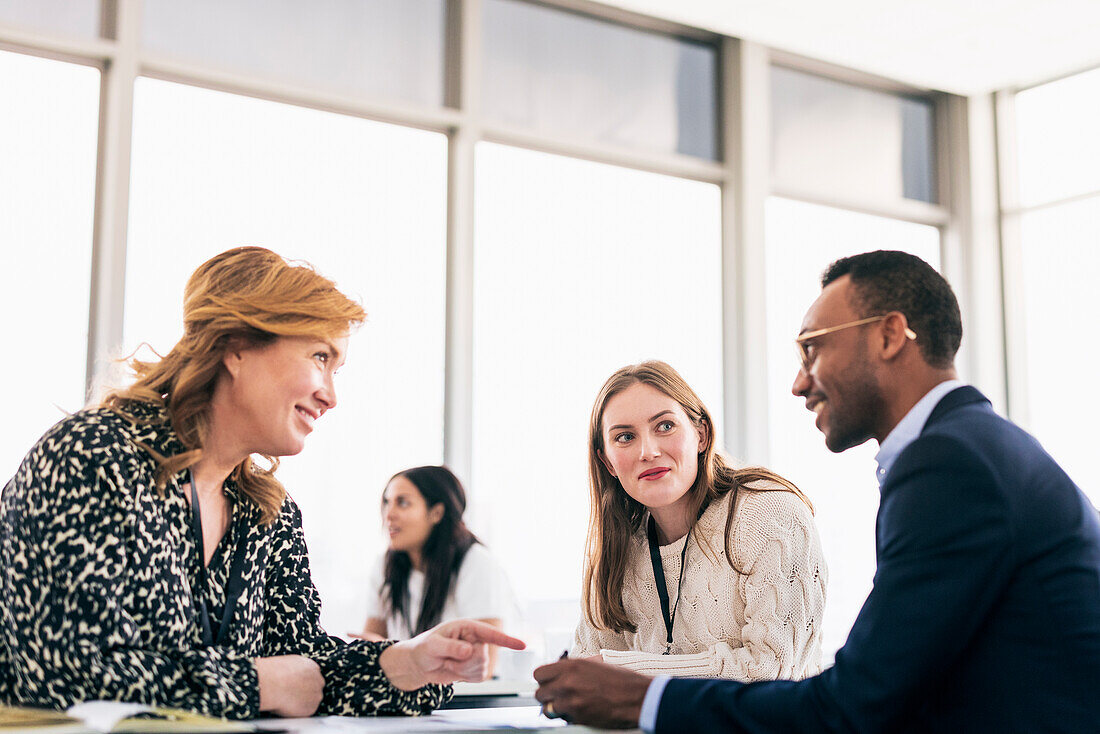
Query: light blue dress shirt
x,y
647,720
908,428
905,432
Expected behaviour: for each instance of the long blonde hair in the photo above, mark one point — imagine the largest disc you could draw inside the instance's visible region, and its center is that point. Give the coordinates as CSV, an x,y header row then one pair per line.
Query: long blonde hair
x,y
616,517
242,298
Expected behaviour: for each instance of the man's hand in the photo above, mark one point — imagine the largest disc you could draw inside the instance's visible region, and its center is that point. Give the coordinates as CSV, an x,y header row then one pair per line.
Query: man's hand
x,y
290,685
584,691
446,653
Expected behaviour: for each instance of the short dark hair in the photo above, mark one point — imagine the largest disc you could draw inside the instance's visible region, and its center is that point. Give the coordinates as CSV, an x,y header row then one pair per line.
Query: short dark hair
x,y
888,280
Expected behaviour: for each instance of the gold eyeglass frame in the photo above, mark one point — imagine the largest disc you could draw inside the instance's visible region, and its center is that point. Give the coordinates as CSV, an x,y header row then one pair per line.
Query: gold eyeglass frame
x,y
801,339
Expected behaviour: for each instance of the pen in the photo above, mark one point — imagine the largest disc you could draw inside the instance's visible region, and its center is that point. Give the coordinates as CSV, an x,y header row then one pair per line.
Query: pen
x,y
548,707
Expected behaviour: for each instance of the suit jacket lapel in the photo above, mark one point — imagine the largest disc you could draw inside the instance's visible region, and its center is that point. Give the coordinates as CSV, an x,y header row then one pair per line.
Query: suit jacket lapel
x,y
960,396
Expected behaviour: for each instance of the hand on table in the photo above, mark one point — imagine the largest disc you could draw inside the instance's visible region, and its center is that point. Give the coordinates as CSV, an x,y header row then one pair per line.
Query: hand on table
x,y
584,691
446,653
290,685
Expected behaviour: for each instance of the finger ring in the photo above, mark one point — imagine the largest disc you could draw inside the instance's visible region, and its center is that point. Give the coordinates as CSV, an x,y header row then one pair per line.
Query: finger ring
x,y
548,709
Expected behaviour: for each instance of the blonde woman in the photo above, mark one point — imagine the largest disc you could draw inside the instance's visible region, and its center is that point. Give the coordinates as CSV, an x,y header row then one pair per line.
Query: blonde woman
x,y
145,557
694,568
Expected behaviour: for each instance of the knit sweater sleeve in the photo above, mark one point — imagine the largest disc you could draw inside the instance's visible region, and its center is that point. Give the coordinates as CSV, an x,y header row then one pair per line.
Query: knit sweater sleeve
x,y
590,640
775,545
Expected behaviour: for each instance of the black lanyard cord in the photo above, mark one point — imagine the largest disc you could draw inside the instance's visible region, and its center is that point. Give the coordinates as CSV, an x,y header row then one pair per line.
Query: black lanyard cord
x,y
659,579
233,588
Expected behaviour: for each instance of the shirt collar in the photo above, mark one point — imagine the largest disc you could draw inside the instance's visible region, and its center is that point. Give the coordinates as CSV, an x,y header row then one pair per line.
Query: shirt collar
x,y
907,430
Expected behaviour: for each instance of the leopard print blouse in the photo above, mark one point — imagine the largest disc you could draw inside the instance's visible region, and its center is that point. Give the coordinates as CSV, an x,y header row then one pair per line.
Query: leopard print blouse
x,y
97,569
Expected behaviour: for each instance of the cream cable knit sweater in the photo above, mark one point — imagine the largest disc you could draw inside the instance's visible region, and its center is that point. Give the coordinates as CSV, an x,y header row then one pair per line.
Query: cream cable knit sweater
x,y
764,624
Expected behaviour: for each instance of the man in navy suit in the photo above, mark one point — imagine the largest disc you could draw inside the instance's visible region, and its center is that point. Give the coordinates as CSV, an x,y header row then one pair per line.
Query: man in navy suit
x,y
985,611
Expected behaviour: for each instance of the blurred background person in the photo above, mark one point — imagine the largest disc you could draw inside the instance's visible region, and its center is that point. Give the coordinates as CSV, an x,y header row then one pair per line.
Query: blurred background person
x,y
435,569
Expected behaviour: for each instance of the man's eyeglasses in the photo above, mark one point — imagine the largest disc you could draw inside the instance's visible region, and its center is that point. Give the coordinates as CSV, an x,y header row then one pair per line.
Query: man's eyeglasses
x,y
803,348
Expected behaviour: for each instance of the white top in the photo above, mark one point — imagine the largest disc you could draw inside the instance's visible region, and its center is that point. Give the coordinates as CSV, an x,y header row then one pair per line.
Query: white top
x,y
764,624
480,591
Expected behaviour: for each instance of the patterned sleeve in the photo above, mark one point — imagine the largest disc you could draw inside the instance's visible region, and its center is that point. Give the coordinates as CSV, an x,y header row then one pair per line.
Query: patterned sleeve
x,y
72,543
354,682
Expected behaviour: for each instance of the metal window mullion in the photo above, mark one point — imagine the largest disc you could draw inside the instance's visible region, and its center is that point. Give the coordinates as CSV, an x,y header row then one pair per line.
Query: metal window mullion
x,y
971,242
668,164
116,105
463,92
436,119
745,131
905,210
73,50
1052,203
1012,259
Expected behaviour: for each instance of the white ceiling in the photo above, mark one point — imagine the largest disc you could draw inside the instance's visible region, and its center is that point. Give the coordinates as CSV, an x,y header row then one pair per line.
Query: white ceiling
x,y
960,46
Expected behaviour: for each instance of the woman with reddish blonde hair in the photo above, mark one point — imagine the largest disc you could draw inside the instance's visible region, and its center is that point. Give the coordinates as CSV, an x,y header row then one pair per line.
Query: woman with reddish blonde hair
x,y
694,567
145,557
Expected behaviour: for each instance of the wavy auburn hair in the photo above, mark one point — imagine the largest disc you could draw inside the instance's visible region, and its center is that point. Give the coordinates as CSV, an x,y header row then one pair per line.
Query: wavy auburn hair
x,y
616,517
243,298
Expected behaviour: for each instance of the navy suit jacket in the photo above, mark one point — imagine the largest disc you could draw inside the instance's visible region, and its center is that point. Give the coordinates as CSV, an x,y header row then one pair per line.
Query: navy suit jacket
x,y
985,611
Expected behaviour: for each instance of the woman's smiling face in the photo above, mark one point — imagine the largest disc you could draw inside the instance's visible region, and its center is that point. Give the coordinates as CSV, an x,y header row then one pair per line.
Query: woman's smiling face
x,y
650,445
278,391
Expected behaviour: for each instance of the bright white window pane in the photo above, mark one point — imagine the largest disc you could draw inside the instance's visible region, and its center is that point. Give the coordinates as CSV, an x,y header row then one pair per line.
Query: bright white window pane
x,y
69,17
1056,131
581,77
581,268
47,190
1061,266
839,139
802,240
362,201
376,48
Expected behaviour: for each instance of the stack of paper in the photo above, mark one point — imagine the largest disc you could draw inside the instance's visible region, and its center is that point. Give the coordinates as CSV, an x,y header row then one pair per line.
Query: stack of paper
x,y
101,717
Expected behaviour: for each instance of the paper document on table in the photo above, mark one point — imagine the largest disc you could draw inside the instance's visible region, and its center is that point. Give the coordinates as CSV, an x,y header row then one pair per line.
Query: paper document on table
x,y
516,718
526,718
496,687
96,717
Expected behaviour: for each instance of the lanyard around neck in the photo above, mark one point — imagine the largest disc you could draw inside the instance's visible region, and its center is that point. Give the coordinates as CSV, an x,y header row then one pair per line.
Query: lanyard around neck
x,y
233,588
659,578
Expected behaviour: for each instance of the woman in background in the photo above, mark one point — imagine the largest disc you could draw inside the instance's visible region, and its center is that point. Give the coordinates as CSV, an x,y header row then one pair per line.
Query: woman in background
x,y
694,568
145,557
435,569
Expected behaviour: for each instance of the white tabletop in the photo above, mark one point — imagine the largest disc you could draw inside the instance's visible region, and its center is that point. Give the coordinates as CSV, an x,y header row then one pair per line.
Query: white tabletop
x,y
516,718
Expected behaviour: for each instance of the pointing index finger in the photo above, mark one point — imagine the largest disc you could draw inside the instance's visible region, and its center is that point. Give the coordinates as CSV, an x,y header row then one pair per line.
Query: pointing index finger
x,y
487,633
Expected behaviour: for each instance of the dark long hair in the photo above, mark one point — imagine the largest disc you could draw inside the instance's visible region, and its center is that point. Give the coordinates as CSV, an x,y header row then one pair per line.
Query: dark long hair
x,y
443,551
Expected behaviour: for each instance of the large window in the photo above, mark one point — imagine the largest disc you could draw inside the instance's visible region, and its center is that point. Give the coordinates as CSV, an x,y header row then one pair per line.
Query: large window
x,y
802,240
596,81
47,191
1059,228
389,49
581,268
362,201
850,141
70,17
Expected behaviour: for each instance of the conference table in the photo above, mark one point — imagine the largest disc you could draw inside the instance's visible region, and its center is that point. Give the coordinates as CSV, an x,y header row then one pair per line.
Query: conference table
x,y
476,707
450,720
